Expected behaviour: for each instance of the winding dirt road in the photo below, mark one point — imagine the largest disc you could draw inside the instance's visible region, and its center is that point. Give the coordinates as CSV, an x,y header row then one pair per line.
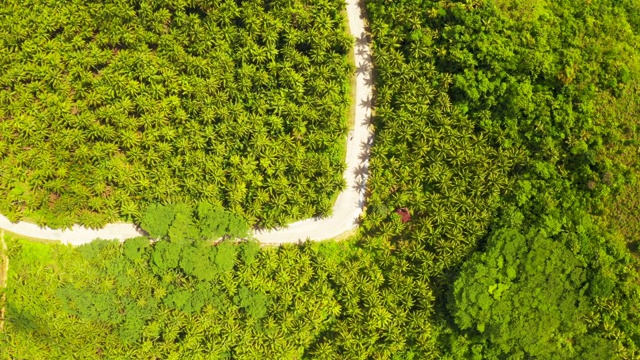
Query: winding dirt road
x,y
349,203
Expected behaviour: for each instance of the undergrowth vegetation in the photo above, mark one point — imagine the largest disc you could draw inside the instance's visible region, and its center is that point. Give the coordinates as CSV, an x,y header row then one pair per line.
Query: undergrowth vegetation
x,y
108,106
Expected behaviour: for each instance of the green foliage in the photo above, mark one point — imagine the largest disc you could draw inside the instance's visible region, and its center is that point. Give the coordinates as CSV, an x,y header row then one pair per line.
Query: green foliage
x,y
182,228
248,251
198,261
204,261
526,296
190,301
136,248
165,256
283,301
255,304
225,256
513,115
215,222
504,114
602,286
181,223
91,306
110,106
91,250
156,219
621,115
594,348
34,253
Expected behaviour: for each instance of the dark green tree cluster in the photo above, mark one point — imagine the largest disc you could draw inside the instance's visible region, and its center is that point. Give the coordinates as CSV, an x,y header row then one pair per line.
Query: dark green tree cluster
x,y
568,295
526,297
182,222
108,106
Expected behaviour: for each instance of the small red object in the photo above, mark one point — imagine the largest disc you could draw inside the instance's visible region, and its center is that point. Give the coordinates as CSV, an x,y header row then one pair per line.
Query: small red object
x,y
404,214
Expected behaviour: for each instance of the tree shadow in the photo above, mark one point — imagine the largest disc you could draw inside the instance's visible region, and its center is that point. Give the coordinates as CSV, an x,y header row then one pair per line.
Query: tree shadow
x,y
262,227
364,54
364,14
363,40
365,151
366,122
361,171
368,81
363,68
363,50
142,231
367,103
360,185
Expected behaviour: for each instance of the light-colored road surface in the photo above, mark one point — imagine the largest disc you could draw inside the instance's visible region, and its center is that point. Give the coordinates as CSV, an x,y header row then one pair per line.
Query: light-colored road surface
x,y
77,235
349,203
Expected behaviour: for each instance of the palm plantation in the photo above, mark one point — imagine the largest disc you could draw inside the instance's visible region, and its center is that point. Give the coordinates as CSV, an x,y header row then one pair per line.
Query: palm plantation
x,y
507,129
113,107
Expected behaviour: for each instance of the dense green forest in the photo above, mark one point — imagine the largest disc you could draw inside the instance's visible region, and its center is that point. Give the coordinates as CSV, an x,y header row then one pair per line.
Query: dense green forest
x,y
539,102
510,131
111,105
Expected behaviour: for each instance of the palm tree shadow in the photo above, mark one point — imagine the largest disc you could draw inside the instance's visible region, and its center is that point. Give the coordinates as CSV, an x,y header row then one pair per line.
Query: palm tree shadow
x,y
367,120
363,11
368,81
361,171
360,185
365,150
367,103
261,228
363,40
363,50
364,54
363,68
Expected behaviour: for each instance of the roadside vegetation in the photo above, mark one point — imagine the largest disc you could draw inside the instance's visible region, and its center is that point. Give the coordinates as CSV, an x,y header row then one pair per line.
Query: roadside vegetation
x,y
111,106
509,129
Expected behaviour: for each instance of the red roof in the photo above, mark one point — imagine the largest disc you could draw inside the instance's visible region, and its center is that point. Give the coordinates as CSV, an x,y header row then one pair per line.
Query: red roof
x,y
404,214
